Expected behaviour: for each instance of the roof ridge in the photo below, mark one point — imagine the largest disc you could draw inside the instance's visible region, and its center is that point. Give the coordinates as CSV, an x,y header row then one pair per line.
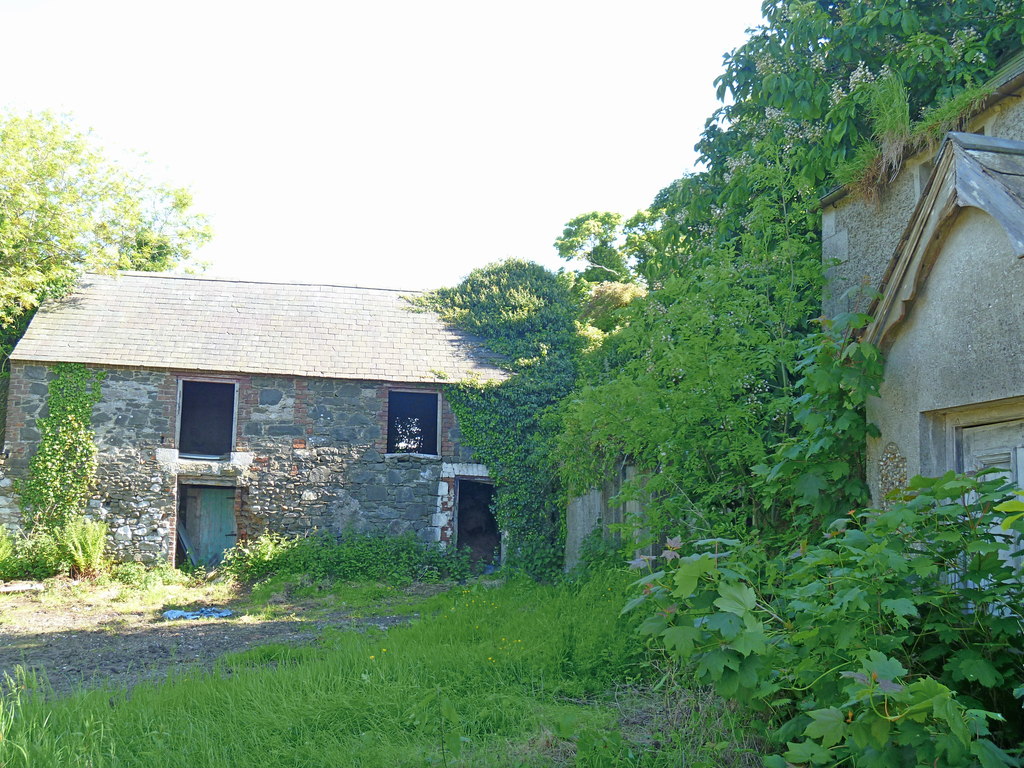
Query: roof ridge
x,y
179,276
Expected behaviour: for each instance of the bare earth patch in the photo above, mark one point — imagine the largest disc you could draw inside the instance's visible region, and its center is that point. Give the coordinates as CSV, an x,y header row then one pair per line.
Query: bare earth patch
x,y
78,635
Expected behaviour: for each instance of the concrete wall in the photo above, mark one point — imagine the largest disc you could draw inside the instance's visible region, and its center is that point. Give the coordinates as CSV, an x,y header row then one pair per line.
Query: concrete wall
x,y
596,510
959,350
309,453
859,236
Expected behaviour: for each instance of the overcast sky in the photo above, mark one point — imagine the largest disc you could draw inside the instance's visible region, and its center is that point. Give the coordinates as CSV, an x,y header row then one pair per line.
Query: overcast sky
x,y
394,144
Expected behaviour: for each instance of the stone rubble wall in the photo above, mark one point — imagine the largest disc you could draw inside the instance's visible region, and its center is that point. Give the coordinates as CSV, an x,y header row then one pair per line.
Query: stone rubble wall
x,y
310,455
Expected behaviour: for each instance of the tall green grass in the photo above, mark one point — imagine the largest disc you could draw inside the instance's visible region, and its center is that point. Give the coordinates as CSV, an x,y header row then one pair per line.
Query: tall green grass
x,y
511,661
513,676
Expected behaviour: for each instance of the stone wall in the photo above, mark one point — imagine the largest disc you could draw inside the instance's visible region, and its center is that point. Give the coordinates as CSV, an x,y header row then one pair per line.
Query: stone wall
x,y
309,454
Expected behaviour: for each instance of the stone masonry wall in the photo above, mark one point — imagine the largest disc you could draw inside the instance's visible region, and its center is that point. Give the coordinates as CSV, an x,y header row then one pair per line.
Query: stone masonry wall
x,y
309,454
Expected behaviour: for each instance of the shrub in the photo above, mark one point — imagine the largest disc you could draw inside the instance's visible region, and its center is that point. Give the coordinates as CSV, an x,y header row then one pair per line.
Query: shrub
x,y
892,641
352,557
129,574
6,550
599,553
85,541
138,575
36,556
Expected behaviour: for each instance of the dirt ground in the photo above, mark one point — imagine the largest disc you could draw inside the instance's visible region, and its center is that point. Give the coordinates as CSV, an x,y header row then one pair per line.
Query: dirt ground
x,y
85,636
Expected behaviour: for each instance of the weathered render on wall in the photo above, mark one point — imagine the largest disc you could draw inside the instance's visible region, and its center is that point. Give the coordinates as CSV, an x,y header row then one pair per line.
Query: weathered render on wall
x,y
860,235
597,512
308,453
943,246
957,357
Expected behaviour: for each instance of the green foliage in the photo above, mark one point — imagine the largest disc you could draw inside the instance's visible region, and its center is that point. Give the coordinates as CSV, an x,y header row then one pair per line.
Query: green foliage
x,y
353,557
526,314
604,304
65,208
818,472
35,556
6,548
74,548
591,238
698,382
60,473
85,542
885,641
600,553
693,383
138,575
510,662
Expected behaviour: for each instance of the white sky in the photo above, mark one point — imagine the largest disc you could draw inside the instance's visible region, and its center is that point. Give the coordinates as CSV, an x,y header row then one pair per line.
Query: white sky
x,y
394,144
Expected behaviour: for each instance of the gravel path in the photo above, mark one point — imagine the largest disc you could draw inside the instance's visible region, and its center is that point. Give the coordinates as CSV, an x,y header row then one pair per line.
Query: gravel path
x,y
96,642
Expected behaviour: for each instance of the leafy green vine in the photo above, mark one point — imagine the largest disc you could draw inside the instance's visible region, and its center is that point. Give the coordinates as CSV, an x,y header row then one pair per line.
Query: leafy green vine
x,y
526,314
61,472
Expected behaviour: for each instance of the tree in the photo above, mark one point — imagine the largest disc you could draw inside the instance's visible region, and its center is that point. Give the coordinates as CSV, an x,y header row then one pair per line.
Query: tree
x,y
65,208
591,238
700,377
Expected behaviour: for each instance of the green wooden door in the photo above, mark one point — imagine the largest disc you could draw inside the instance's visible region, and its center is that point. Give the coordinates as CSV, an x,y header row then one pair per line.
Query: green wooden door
x,y
217,530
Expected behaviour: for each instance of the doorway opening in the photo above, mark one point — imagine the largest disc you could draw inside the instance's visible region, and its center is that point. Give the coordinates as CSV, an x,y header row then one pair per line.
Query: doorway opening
x,y
475,527
206,526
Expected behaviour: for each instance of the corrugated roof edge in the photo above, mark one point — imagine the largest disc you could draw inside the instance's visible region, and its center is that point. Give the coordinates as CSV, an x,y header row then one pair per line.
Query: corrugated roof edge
x,y
1009,78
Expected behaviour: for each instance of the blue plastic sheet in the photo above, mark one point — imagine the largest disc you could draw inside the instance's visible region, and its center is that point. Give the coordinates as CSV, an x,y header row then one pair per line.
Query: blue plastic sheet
x,y
202,613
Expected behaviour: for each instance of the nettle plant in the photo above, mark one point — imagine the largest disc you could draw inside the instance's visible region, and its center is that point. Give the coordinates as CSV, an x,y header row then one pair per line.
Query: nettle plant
x,y
894,640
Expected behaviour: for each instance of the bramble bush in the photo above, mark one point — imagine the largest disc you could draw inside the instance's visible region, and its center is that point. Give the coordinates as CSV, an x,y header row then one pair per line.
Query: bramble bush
x,y
352,557
893,640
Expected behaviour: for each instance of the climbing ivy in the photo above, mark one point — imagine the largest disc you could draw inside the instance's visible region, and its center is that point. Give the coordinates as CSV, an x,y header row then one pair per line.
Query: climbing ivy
x,y
527,315
63,467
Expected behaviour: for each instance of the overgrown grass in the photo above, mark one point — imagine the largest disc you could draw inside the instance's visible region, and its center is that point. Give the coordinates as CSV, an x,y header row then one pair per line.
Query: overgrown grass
x,y
351,557
519,675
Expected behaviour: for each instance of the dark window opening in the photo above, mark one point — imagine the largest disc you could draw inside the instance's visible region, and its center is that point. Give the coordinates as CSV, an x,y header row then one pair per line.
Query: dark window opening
x,y
476,528
207,418
412,422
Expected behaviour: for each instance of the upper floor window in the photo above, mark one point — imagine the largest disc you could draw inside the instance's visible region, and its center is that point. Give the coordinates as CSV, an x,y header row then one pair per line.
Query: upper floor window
x,y
412,422
206,421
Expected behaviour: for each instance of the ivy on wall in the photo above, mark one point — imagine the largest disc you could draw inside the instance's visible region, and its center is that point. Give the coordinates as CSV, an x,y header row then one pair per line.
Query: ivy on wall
x,y
527,315
61,472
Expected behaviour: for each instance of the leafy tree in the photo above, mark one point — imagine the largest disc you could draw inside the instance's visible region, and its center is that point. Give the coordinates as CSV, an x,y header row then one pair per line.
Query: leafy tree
x,y
698,383
65,207
591,238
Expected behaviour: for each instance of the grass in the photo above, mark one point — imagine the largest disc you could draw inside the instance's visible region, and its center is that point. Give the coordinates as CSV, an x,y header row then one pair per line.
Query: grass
x,y
520,675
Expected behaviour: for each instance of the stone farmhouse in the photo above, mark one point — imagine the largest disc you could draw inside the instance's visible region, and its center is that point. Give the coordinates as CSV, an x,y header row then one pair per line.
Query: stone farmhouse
x,y
229,408
944,246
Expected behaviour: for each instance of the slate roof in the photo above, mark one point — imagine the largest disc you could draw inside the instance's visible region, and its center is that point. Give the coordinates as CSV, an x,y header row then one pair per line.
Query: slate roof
x,y
200,324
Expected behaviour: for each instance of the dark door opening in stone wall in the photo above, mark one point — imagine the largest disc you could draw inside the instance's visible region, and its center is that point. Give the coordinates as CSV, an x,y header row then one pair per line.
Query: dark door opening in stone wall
x,y
476,528
206,525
